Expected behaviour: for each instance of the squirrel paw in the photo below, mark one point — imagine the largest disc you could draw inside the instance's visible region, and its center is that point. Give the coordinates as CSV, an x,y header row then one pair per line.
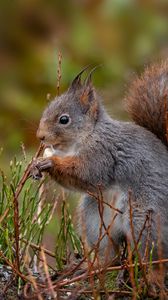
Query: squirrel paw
x,y
40,166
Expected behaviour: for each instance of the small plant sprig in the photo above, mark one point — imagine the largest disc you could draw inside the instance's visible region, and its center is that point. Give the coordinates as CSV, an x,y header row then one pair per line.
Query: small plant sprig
x,y
19,217
67,238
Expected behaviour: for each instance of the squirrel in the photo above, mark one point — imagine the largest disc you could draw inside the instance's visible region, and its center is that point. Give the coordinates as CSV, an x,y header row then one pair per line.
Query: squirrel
x,y
90,151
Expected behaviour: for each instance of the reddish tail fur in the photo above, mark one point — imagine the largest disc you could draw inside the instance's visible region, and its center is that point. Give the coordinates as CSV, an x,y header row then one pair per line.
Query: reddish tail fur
x,y
147,100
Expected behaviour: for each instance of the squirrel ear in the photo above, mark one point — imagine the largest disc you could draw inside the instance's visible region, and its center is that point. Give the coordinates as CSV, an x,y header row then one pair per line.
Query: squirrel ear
x,y
88,101
88,94
76,83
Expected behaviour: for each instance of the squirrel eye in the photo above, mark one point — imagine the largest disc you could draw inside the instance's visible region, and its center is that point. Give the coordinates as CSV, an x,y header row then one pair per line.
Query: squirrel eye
x,y
64,119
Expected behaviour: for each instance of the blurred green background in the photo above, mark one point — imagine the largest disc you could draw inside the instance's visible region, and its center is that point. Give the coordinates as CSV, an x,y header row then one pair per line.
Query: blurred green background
x,y
123,35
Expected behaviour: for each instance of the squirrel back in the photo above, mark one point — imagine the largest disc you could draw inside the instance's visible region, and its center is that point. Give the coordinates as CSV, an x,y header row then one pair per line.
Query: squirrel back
x,y
147,100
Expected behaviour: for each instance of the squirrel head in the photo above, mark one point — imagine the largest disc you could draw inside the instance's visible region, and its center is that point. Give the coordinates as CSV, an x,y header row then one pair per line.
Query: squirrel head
x,y
70,117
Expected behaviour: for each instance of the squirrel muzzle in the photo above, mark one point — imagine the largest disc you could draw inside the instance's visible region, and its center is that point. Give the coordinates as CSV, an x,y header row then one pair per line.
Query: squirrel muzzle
x,y
42,130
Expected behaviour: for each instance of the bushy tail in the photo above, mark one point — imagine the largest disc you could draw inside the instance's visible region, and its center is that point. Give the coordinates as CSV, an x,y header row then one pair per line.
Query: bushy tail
x,y
147,100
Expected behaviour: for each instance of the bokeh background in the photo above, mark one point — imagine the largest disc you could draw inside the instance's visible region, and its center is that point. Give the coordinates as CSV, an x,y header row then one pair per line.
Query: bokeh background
x,y
122,35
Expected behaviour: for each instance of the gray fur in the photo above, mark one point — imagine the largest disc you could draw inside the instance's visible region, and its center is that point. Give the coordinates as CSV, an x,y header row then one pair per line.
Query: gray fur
x,y
132,158
120,156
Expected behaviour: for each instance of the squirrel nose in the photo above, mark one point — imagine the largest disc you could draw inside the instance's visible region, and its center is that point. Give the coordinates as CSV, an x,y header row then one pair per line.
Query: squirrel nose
x,y
42,138
40,135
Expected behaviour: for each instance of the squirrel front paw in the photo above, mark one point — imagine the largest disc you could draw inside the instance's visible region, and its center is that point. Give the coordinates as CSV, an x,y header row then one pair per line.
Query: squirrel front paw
x,y
39,166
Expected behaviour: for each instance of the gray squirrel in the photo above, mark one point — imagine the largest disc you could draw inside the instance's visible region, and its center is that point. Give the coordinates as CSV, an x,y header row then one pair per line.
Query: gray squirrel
x,y
91,150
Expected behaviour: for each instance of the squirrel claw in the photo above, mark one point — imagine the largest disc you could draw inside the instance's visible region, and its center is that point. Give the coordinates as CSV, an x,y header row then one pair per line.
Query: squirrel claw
x,y
35,173
40,166
44,165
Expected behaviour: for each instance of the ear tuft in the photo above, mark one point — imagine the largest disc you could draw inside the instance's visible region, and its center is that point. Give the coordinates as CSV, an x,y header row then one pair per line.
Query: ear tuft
x,y
76,83
88,80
